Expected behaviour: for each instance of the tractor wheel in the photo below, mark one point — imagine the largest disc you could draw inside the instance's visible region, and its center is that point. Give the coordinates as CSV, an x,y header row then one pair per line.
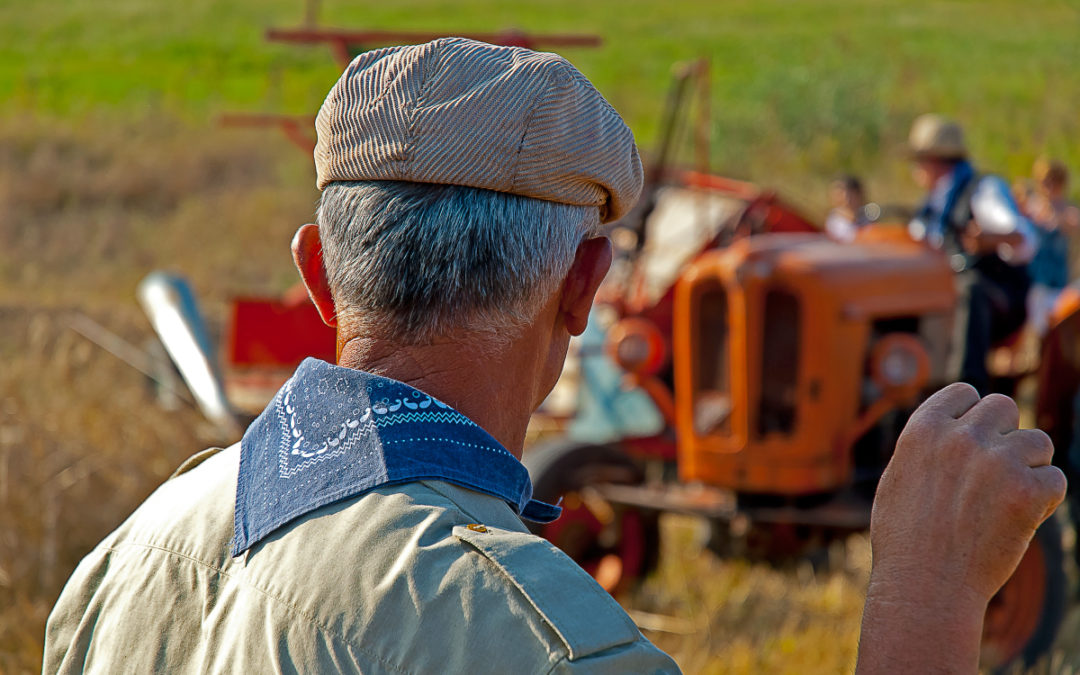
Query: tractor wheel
x,y
1022,620
618,545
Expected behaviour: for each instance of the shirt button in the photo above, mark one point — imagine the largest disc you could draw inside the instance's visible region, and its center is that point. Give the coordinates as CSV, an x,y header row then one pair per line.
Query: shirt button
x,y
476,527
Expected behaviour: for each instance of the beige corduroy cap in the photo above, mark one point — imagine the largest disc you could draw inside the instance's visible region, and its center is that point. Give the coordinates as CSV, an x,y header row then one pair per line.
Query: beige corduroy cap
x,y
936,137
462,112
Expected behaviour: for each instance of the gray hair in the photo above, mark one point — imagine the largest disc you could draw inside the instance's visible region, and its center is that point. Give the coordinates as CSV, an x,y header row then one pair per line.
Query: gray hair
x,y
424,260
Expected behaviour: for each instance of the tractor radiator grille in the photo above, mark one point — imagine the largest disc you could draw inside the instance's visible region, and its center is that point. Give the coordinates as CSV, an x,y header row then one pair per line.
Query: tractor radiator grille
x,y
779,363
712,399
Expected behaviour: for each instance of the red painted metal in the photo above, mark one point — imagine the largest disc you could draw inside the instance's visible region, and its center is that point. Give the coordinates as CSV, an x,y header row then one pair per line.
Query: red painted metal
x,y
729,186
345,44
299,129
1013,615
1059,374
271,333
578,533
660,447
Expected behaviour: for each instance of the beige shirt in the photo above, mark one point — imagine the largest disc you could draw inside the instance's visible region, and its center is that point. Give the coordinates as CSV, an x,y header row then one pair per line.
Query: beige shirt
x,y
424,577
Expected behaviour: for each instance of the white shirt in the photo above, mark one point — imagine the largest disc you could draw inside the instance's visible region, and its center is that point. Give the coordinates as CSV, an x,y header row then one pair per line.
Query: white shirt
x,y
992,207
840,227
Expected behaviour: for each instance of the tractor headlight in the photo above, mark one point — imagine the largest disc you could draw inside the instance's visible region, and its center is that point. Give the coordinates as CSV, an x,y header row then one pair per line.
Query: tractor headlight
x,y
899,365
637,346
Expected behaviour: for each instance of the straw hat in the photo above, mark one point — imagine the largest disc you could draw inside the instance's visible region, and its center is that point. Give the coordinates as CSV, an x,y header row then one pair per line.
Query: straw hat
x,y
935,137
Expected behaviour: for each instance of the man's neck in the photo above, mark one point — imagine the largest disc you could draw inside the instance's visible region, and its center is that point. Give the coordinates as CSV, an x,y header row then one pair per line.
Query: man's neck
x,y
480,382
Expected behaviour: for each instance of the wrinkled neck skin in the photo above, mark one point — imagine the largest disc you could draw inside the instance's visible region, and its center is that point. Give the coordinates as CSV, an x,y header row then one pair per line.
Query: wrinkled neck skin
x,y
497,384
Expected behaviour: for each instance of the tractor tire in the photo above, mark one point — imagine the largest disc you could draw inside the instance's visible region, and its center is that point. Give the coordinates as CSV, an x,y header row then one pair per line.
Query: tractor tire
x,y
618,545
1022,620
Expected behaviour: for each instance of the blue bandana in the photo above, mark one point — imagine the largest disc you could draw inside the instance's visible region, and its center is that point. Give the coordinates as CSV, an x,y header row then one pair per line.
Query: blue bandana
x,y
332,433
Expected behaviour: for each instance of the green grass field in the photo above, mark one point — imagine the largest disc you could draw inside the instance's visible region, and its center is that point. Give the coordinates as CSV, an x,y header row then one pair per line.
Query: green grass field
x,y
112,165
800,90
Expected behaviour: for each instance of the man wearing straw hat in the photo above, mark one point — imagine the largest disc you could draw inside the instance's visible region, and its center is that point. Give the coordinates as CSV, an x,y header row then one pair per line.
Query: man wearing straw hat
x,y
371,519
974,219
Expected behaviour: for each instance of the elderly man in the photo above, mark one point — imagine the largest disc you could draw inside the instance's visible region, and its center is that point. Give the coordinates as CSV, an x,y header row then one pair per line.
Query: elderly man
x,y
974,219
370,519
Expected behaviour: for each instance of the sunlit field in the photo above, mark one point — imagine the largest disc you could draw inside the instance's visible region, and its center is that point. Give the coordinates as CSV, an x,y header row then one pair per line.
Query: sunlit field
x,y
112,165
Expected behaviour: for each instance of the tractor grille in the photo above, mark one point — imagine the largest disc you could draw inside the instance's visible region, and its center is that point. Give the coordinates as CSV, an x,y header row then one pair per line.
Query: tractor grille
x,y
779,363
712,396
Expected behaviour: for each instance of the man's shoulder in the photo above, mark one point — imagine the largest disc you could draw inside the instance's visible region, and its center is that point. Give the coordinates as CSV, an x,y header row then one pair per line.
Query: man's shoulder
x,y
190,513
587,630
418,573
138,580
583,615
413,577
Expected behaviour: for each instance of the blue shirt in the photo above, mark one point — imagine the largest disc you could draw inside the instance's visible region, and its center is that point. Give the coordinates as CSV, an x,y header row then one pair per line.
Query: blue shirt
x,y
332,433
1050,266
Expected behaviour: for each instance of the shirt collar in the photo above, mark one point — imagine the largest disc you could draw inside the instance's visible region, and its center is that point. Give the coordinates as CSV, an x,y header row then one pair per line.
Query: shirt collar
x,y
939,194
332,433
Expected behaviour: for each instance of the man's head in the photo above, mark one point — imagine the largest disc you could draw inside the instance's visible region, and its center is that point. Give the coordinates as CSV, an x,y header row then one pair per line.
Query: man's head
x,y
1052,177
936,145
463,190
846,192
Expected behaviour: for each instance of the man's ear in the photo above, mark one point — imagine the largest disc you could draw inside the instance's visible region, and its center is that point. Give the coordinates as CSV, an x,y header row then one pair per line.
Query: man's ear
x,y
590,266
308,255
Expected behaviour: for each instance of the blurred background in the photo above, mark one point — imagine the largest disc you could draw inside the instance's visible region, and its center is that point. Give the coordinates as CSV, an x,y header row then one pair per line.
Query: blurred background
x,y
114,162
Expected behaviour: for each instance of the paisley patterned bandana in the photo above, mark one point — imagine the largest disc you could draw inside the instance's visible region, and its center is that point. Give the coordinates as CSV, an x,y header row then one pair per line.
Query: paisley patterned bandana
x,y
332,433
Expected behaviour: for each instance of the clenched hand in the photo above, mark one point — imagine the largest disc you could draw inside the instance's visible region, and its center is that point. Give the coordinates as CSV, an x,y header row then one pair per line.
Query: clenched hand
x,y
954,513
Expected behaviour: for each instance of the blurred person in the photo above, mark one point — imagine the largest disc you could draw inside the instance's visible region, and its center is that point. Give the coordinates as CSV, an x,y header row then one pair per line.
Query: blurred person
x,y
1023,191
1056,223
370,520
848,201
1050,205
974,219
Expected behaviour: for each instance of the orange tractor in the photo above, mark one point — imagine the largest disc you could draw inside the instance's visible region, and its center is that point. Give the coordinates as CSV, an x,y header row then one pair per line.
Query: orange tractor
x,y
784,366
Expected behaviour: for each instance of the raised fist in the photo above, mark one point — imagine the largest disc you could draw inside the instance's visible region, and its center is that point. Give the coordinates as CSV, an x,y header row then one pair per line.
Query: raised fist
x,y
954,513
964,492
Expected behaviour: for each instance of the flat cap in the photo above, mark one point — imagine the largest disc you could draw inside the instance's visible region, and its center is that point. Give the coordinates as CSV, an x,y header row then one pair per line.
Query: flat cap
x,y
461,112
936,137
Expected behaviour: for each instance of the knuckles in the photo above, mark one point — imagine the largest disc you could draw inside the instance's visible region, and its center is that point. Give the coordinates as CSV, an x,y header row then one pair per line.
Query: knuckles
x,y
958,395
1000,404
1056,487
1039,441
1020,498
1031,446
956,443
966,437
960,391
